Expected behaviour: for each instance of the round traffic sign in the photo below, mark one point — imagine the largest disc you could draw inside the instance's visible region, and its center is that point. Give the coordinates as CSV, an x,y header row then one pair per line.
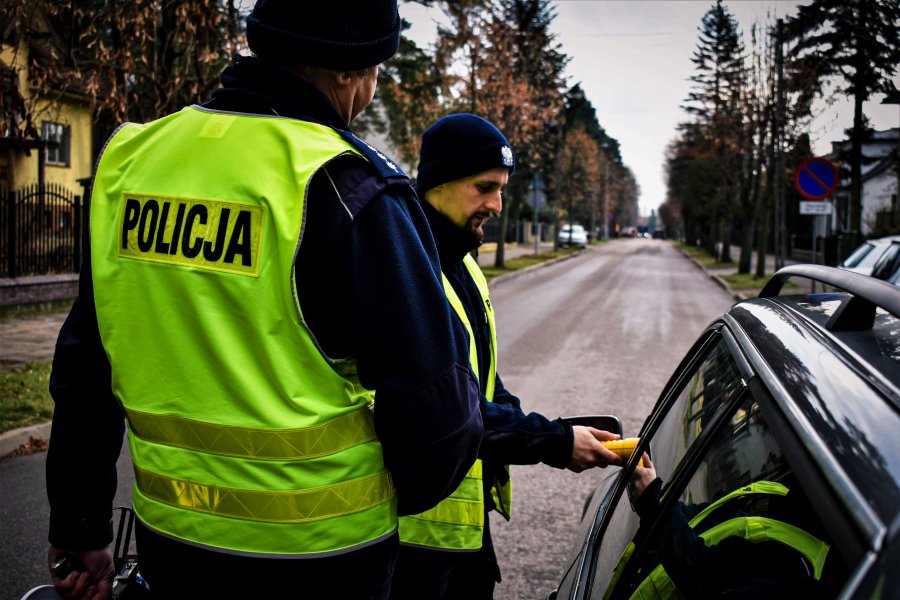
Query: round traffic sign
x,y
816,178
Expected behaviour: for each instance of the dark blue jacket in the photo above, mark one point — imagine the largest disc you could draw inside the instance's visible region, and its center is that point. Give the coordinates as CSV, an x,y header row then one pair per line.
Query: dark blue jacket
x,y
369,287
510,435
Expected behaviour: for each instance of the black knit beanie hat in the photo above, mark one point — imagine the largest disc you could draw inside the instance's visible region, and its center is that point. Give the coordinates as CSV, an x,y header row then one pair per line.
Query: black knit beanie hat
x,y
458,146
341,35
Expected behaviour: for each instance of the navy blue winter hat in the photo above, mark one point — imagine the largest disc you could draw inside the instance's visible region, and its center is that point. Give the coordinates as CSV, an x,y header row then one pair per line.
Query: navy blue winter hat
x,y
459,146
341,35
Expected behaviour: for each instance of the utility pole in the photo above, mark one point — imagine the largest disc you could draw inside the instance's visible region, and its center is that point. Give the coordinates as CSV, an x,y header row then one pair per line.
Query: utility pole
x,y
778,133
534,207
606,199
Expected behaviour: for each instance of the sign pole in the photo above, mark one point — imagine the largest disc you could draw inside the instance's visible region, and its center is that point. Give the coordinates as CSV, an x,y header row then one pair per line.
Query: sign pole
x,y
816,179
815,258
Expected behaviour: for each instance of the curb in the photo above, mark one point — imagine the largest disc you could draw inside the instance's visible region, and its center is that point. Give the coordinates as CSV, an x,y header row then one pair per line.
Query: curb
x,y
13,440
716,279
514,274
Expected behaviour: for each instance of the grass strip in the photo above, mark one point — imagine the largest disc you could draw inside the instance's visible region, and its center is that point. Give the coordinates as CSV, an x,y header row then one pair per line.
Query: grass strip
x,y
524,261
24,397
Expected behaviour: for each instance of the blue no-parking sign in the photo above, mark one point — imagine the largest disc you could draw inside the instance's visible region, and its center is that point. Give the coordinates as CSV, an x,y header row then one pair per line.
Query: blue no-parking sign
x,y
816,178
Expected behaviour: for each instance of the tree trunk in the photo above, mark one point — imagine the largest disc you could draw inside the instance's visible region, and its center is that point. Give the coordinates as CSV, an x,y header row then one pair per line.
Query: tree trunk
x,y
762,243
856,167
725,256
499,257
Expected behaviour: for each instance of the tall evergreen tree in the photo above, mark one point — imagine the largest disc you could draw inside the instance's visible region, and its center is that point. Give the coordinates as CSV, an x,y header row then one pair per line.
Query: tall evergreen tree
x,y
857,42
715,104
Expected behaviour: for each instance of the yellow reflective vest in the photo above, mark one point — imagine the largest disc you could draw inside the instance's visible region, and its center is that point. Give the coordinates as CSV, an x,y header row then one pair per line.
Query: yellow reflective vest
x,y
658,585
457,522
245,437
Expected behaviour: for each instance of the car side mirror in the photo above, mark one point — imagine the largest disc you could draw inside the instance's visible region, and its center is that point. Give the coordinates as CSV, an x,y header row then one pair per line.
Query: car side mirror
x,y
608,423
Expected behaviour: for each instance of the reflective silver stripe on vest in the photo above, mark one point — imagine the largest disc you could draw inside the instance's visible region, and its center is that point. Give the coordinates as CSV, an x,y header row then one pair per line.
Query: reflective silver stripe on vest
x,y
245,442
295,506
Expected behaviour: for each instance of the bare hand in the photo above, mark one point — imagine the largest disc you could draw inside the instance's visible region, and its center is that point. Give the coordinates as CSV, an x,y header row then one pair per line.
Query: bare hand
x,y
92,577
588,452
642,477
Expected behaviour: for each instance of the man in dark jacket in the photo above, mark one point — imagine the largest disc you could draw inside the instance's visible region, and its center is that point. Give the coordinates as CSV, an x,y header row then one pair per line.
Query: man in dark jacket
x,y
344,278
447,552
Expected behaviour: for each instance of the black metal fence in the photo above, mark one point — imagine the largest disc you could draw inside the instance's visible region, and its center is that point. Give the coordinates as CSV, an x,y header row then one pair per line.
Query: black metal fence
x,y
40,230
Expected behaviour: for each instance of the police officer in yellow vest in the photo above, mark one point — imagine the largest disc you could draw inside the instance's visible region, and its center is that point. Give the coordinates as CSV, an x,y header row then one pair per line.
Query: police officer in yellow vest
x,y
446,552
262,303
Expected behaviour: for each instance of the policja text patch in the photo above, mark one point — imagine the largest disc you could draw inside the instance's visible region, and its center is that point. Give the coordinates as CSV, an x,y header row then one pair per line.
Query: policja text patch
x,y
207,234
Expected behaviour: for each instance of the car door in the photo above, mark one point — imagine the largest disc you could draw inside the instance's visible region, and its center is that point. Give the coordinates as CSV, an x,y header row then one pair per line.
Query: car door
x,y
704,381
715,451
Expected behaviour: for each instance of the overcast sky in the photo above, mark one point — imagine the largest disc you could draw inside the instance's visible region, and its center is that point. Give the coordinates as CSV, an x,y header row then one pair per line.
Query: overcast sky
x,y
633,60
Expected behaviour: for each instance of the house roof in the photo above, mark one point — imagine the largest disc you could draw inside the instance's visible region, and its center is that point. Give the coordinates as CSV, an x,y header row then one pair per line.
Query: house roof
x,y
879,152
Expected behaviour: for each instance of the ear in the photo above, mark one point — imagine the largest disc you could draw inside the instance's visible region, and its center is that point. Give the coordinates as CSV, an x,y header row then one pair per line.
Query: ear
x,y
342,78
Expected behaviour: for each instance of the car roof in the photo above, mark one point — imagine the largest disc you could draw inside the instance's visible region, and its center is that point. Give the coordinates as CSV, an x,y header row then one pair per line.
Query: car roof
x,y
832,364
884,240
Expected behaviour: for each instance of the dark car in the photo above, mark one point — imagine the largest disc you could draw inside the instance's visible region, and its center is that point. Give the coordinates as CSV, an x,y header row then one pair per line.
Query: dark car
x,y
777,443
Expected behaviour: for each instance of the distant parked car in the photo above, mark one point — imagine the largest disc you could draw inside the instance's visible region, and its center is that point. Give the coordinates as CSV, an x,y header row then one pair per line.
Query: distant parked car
x,y
571,235
864,258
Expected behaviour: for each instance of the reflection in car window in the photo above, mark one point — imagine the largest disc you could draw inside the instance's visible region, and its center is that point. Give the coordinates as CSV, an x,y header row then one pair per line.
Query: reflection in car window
x,y
712,384
742,525
742,451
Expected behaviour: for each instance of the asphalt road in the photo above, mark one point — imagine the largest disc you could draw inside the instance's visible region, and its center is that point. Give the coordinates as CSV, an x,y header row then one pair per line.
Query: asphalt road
x,y
596,333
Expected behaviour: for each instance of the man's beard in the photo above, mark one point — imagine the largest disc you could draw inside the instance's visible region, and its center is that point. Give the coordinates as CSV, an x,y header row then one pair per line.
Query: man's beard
x,y
474,235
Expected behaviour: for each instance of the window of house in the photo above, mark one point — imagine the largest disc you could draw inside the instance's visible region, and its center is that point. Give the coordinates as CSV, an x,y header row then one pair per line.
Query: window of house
x,y
57,132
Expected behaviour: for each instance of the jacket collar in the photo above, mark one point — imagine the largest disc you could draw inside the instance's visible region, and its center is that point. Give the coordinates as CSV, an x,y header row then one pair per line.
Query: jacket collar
x,y
256,86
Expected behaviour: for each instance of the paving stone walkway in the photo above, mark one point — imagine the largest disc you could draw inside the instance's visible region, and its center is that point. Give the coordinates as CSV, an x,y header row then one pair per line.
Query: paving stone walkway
x,y
28,339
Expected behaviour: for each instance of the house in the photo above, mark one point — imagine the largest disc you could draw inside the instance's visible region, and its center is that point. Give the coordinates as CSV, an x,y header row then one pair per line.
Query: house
x,y
46,129
880,173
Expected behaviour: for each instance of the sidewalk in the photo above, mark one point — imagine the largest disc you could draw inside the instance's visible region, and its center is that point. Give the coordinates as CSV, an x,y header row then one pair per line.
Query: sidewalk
x,y
28,339
25,340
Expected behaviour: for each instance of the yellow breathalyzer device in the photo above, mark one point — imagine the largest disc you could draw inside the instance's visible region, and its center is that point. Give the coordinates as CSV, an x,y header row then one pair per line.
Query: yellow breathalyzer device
x,y
624,448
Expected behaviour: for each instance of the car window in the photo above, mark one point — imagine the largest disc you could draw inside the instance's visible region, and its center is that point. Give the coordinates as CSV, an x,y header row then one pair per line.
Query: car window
x,y
741,525
713,383
709,384
887,262
858,255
